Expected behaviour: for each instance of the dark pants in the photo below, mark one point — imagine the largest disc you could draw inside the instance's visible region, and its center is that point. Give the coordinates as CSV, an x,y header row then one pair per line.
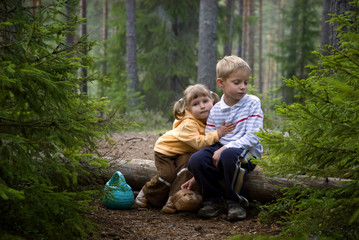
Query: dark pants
x,y
230,170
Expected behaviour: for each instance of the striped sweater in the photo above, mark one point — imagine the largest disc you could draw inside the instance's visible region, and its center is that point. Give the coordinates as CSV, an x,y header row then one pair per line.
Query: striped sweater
x,y
248,117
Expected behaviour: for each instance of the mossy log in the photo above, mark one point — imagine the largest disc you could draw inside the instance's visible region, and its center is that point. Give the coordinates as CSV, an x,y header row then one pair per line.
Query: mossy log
x,y
256,187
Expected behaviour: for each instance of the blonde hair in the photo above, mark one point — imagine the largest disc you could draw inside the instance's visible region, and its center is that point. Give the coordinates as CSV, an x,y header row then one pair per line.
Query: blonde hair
x,y
190,93
227,65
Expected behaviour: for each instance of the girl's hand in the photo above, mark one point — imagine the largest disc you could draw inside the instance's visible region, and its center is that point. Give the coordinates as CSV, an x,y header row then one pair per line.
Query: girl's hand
x,y
225,129
190,184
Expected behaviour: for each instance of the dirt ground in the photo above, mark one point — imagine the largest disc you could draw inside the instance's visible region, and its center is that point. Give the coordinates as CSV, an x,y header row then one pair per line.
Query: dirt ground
x,y
151,224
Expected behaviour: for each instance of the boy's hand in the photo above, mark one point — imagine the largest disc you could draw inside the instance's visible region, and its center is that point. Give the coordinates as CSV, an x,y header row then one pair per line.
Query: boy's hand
x,y
216,155
225,129
190,184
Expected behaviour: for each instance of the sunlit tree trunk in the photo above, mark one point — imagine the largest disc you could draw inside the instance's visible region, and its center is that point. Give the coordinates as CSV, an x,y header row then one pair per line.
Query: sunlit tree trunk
x,y
207,47
131,51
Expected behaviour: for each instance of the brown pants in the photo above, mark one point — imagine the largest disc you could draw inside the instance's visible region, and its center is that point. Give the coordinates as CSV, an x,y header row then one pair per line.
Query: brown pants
x,y
172,172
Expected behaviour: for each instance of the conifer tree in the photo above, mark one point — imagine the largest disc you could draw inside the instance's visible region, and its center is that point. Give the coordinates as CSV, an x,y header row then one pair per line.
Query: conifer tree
x,y
48,129
302,37
321,140
166,62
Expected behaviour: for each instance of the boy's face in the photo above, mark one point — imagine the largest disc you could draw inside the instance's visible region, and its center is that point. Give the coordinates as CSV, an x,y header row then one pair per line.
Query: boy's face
x,y
235,86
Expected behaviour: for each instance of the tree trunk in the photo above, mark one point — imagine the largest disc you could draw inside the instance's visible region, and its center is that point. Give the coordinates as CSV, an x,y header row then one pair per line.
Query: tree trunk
x,y
260,79
131,51
337,7
325,26
244,29
256,186
207,44
240,36
70,10
105,37
84,33
35,4
228,46
251,39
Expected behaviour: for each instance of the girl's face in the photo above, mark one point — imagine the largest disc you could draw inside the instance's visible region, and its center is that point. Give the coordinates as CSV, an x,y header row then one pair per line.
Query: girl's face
x,y
200,107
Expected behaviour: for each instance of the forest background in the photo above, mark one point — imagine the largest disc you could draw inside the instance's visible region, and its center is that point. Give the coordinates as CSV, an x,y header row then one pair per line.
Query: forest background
x,y
73,72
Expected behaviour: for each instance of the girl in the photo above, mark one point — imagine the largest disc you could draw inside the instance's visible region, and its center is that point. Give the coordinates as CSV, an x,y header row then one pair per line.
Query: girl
x,y
173,149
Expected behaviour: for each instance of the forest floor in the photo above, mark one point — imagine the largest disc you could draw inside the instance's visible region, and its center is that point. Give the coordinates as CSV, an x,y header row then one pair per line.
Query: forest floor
x,y
151,224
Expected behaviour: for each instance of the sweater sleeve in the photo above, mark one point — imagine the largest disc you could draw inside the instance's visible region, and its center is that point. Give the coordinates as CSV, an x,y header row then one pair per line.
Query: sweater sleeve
x,y
189,133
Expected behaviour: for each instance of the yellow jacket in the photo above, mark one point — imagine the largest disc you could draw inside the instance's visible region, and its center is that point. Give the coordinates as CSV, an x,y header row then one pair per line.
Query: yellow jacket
x,y
186,136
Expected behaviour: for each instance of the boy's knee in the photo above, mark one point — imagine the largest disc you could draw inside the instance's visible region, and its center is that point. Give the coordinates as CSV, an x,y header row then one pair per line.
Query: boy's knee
x,y
194,162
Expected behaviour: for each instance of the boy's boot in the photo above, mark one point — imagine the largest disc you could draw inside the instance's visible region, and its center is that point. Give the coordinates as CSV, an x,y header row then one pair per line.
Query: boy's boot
x,y
141,200
209,210
236,211
168,207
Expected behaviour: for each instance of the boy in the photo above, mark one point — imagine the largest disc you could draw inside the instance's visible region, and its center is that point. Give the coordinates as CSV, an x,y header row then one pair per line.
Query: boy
x,y
229,160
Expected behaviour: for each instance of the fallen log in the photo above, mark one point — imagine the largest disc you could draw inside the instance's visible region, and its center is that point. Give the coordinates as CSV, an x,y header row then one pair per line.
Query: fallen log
x,y
257,186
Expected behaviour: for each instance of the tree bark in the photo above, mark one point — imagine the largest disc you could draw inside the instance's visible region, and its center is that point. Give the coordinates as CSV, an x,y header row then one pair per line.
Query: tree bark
x,y
256,186
228,45
207,43
84,33
260,79
337,7
325,26
251,38
70,10
240,37
105,37
244,29
131,49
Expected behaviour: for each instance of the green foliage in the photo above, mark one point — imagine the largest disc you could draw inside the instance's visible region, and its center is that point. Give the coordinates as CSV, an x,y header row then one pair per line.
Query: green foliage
x,y
48,130
320,212
321,140
166,52
301,38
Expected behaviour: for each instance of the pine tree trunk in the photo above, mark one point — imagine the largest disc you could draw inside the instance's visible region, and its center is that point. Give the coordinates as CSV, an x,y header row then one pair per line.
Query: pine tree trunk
x,y
244,29
207,46
240,37
70,9
337,7
105,37
228,46
260,79
131,51
251,39
84,33
325,26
